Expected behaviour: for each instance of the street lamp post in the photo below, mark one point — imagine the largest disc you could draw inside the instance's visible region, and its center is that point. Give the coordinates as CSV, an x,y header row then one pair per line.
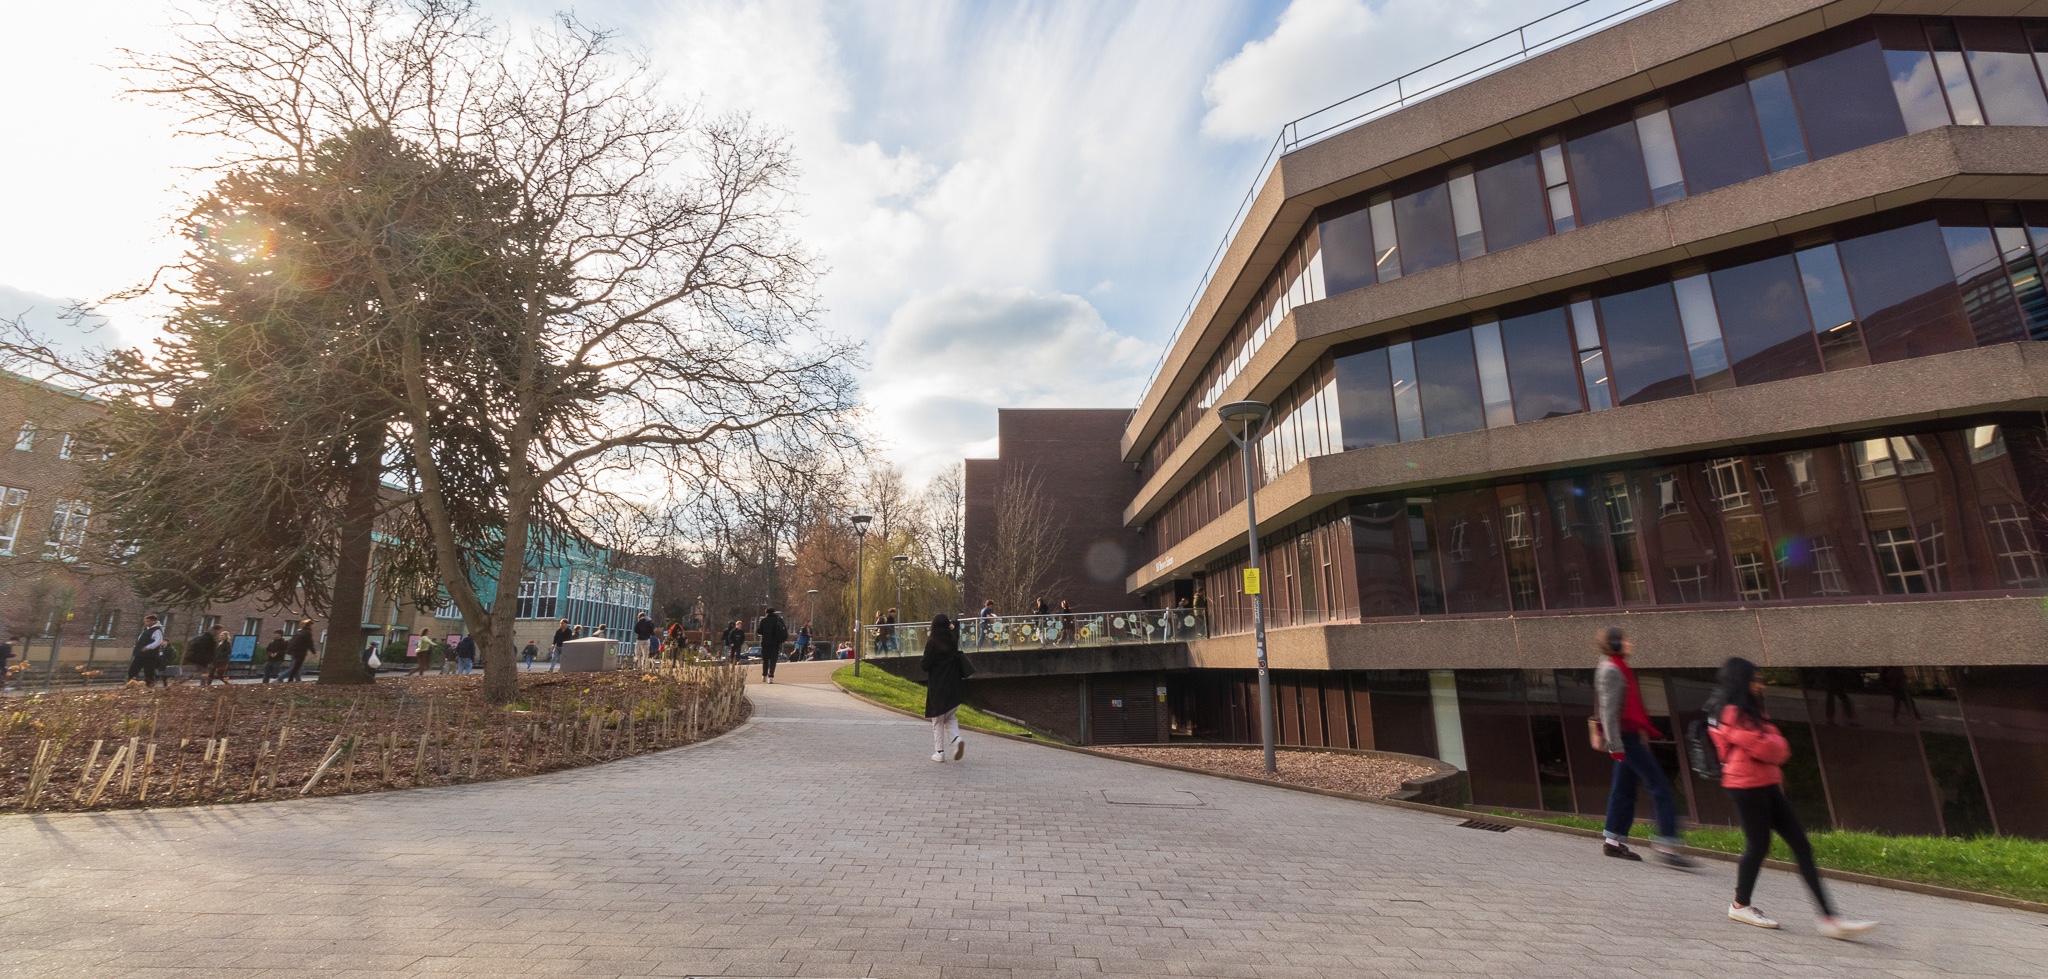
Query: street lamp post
x,y
1242,420
811,617
898,563
860,540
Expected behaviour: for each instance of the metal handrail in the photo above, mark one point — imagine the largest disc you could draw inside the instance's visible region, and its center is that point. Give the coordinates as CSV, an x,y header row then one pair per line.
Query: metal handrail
x,y
1290,137
1052,630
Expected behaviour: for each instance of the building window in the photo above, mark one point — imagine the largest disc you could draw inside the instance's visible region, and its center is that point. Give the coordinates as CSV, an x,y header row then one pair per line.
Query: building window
x,y
1764,493
1689,583
1800,465
105,623
1515,526
25,440
1557,186
67,530
1669,503
537,596
1986,443
2012,540
1725,476
208,623
1934,551
1752,581
1827,569
64,446
252,626
12,503
1898,562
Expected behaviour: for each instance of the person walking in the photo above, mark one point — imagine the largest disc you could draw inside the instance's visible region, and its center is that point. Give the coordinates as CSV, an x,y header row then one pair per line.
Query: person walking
x,y
773,633
465,656
1200,604
299,648
562,634
529,653
735,639
1752,752
1624,729
987,623
223,647
946,671
147,658
273,654
672,646
643,635
423,655
199,653
1066,622
803,644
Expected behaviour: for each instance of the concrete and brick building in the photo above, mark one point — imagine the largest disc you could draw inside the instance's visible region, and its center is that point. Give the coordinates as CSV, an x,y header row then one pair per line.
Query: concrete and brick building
x,y
1722,324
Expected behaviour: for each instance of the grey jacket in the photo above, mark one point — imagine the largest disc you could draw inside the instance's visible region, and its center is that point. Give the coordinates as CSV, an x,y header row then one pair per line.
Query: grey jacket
x,y
1610,688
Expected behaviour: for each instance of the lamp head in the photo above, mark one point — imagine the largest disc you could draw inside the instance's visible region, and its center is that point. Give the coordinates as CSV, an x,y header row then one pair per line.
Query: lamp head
x,y
901,559
1244,412
860,523
813,591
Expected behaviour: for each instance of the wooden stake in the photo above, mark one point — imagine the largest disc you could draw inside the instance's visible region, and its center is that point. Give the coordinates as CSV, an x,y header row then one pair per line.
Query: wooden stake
x,y
148,767
333,750
256,772
128,771
119,755
419,762
220,761
348,767
86,773
35,775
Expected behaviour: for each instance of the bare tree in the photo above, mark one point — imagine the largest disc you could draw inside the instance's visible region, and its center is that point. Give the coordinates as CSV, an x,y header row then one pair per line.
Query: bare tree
x,y
1021,562
642,307
942,523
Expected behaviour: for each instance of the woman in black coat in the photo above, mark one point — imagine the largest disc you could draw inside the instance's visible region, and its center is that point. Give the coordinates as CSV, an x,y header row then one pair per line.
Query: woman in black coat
x,y
945,678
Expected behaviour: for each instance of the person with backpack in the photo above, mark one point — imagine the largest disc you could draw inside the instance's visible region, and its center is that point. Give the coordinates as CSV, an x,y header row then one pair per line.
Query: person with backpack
x,y
199,653
946,671
735,639
1750,751
147,658
465,656
1623,732
273,654
300,647
773,633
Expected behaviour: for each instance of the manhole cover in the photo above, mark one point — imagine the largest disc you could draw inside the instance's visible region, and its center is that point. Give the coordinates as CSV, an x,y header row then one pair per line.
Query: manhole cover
x,y
1169,798
1489,827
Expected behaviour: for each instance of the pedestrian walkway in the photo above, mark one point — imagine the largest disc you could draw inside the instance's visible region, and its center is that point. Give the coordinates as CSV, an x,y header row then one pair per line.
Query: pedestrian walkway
x,y
820,840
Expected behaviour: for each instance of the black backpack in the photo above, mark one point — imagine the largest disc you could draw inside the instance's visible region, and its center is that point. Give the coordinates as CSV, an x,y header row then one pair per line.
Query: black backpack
x,y
1699,741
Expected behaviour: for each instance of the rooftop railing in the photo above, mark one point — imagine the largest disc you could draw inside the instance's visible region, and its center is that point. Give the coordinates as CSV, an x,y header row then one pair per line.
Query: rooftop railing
x,y
1546,33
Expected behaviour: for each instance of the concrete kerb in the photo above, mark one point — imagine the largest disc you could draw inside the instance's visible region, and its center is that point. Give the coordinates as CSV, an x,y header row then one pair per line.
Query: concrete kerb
x,y
1932,890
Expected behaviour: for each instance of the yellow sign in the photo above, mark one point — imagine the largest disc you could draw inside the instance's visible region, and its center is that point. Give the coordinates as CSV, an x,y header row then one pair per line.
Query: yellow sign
x,y
1251,581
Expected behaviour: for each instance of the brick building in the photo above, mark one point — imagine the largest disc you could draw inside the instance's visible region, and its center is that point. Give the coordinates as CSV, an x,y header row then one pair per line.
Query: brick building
x,y
69,602
1722,324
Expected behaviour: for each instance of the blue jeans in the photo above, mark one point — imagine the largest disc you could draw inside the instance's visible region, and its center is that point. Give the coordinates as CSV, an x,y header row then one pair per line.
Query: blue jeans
x,y
464,665
1639,767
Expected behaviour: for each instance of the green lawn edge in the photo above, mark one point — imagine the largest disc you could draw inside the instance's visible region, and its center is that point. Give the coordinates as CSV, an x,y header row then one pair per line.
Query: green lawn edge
x,y
884,687
2003,865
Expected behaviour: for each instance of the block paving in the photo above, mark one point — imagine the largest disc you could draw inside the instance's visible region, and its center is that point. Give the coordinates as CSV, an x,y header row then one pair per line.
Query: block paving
x,y
820,840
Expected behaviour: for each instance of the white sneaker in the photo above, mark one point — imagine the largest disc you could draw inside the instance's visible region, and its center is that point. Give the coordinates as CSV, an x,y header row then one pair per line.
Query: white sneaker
x,y
938,756
959,748
1843,927
1750,916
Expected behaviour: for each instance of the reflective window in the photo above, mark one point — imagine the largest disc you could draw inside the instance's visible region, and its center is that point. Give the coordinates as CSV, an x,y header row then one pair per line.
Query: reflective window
x,y
1702,333
1572,551
1979,265
1592,356
1422,224
1827,301
1839,81
2004,71
1905,294
1379,543
1557,186
1715,127
1493,374
1660,153
1465,213
1365,396
1511,200
1387,257
2022,269
1764,321
1776,116
1916,87
1955,74
1469,552
1449,382
1347,250
1606,167
1646,358
1542,365
1407,391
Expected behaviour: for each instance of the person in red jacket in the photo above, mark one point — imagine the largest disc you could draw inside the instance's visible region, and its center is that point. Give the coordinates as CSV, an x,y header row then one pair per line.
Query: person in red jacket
x,y
1751,751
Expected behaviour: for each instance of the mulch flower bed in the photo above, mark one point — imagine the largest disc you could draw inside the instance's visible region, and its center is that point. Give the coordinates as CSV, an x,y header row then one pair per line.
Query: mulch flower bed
x,y
139,747
1357,774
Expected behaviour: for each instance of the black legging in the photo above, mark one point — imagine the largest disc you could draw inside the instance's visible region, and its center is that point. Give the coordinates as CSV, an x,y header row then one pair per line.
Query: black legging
x,y
1762,811
768,658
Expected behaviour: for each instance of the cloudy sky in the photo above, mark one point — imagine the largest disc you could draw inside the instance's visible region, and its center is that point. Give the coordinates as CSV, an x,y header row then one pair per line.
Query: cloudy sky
x,y
1015,200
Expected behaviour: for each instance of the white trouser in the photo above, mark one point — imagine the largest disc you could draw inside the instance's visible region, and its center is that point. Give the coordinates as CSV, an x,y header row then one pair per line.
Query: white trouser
x,y
945,728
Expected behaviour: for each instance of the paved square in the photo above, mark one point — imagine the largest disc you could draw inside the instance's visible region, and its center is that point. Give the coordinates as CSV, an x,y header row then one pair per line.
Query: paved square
x,y
821,840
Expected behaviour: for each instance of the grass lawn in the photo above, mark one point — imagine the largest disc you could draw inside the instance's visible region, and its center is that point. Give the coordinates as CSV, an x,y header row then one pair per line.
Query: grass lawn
x,y
882,686
2001,865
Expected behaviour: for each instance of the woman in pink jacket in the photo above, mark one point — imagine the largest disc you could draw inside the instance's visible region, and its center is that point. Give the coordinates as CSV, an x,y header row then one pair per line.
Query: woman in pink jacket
x,y
1751,751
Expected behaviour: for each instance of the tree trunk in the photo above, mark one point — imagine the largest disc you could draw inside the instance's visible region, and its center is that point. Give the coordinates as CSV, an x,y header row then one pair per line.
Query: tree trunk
x,y
342,660
494,640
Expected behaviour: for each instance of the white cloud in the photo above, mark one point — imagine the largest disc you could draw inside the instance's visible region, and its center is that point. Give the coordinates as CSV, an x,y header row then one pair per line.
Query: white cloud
x,y
1322,51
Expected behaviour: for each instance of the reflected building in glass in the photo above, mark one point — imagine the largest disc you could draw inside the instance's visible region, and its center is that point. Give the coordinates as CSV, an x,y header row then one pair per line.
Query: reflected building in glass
x,y
1733,346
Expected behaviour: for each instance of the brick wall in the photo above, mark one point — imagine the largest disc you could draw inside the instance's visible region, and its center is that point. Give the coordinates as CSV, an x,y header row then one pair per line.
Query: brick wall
x,y
1047,703
1074,455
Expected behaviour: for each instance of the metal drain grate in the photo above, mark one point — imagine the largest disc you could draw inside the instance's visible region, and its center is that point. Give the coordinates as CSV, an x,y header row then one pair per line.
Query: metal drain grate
x,y
1489,827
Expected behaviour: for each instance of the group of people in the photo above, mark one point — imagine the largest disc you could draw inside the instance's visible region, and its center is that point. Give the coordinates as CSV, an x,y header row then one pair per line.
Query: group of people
x,y
210,652
1750,751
